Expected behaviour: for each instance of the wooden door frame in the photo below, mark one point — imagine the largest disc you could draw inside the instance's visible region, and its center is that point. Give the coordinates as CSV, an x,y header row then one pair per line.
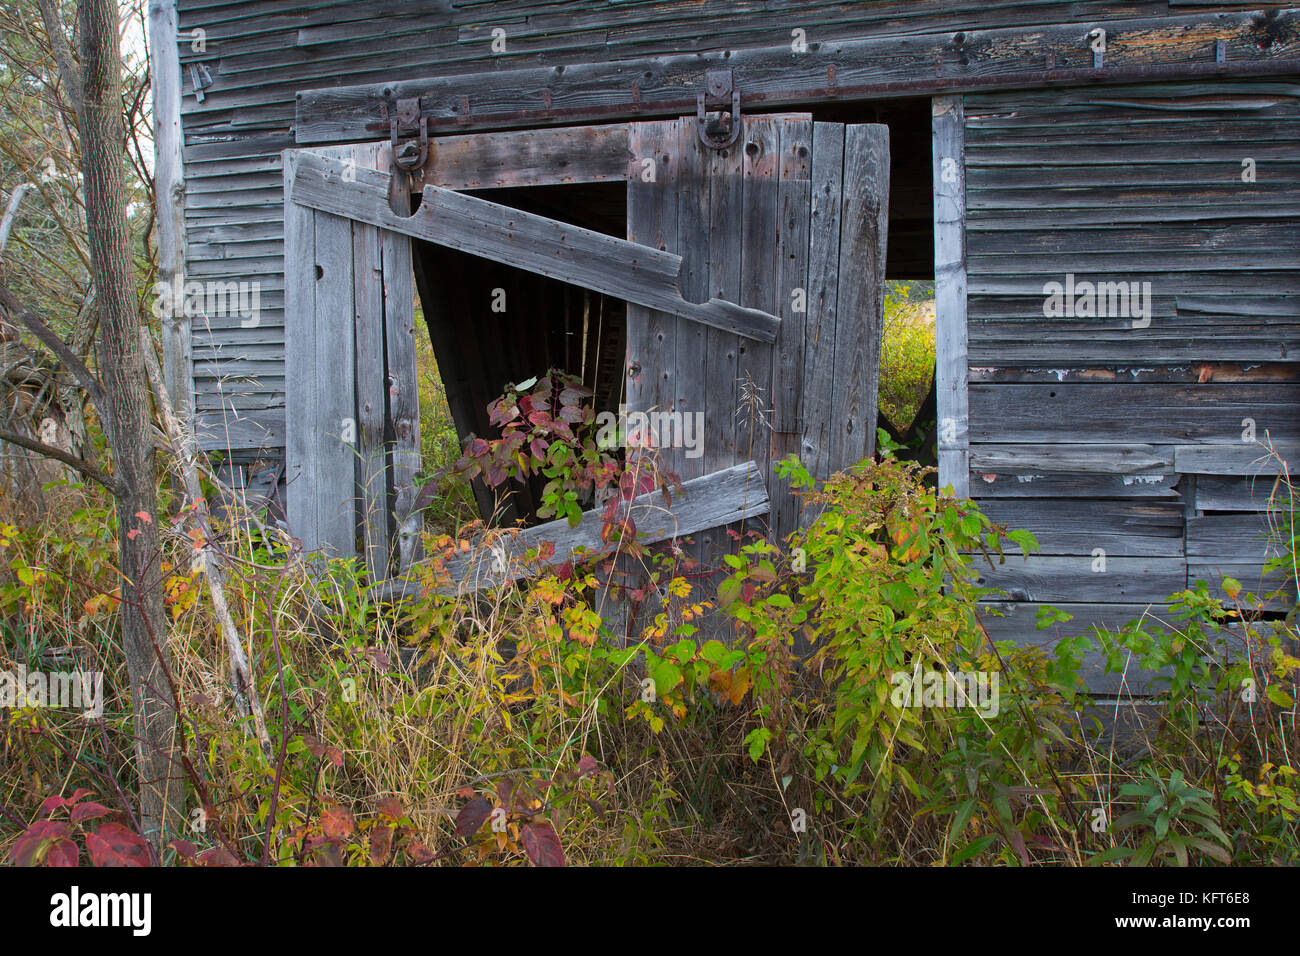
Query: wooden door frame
x,y
511,159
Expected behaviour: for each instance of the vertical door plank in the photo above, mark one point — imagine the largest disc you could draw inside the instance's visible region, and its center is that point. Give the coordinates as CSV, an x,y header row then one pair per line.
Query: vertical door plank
x,y
864,222
694,363
403,390
335,387
652,221
819,395
368,316
302,432
759,264
951,370
795,211
726,225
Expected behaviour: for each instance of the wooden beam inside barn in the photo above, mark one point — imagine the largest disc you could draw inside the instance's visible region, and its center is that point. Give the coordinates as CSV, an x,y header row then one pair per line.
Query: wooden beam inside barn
x,y
1258,43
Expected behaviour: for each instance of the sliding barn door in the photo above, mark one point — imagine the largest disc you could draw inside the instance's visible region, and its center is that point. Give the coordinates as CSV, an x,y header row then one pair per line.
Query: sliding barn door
x,y
353,417
791,220
753,277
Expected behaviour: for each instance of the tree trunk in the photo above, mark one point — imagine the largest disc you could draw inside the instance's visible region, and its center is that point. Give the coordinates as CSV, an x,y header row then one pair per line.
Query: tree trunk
x,y
121,362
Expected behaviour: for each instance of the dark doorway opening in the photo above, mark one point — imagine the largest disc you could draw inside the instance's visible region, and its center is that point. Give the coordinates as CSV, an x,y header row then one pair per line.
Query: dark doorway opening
x,y
906,397
492,325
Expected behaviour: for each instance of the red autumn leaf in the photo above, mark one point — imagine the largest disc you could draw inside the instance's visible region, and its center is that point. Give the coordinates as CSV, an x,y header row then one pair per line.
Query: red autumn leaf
x,y
114,845
419,853
506,792
587,765
391,808
50,804
217,856
89,811
144,516
327,855
184,849
542,844
132,534
381,843
319,748
472,816
336,823
36,840
573,394
63,853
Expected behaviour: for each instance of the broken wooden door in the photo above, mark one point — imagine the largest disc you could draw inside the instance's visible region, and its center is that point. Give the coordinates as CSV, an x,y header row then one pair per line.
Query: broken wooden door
x,y
351,390
791,220
752,274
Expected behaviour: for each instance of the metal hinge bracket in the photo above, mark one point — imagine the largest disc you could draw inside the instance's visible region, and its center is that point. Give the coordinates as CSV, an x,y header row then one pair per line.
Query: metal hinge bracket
x,y
720,91
405,119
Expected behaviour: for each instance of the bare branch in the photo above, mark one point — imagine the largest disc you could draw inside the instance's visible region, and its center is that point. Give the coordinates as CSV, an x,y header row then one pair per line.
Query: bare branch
x,y
114,485
184,447
68,72
11,212
54,342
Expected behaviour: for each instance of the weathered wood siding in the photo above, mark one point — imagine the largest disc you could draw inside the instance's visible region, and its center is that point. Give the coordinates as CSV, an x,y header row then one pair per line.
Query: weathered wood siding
x,y
1120,436
251,58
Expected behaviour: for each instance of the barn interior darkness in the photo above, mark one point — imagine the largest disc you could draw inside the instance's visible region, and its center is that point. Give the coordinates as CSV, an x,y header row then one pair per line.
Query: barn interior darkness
x,y
491,325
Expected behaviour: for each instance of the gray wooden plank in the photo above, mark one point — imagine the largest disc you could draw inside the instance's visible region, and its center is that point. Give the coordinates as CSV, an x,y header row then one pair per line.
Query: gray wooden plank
x,y
372,457
1047,459
1181,46
1235,538
403,392
759,256
818,393
652,221
1275,590
335,433
864,223
302,436
569,253
1238,493
1159,413
1017,622
795,211
1236,458
1124,528
716,499
1052,578
580,154
794,239
694,364
1031,484
170,187
727,206
244,429
950,291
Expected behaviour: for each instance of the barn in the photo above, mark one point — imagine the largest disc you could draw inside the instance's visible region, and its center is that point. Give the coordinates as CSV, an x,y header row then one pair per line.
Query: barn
x,y
689,202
